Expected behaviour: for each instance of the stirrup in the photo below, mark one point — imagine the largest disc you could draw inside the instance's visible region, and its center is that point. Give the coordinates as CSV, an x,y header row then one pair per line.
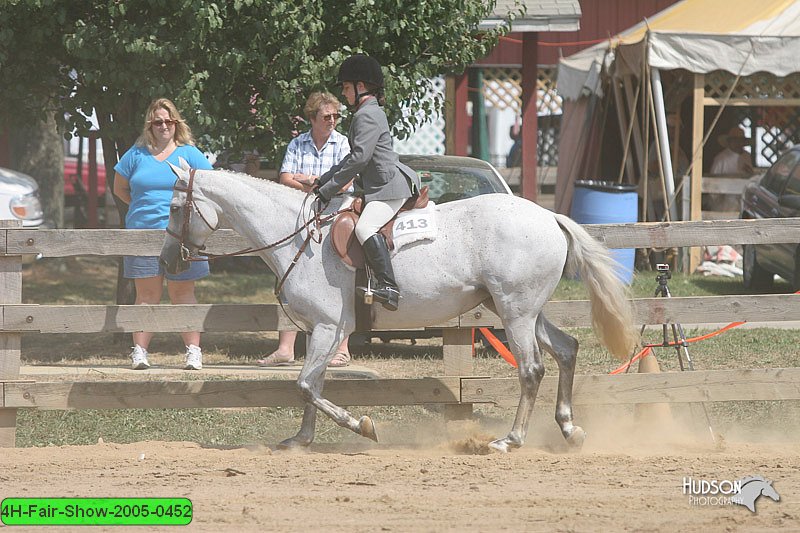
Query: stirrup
x,y
368,294
382,296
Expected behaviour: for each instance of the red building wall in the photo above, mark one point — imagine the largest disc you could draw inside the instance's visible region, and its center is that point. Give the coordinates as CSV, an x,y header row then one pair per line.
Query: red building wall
x,y
600,20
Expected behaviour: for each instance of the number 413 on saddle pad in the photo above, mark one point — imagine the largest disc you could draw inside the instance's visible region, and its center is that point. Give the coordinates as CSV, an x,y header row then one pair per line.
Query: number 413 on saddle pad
x,y
415,225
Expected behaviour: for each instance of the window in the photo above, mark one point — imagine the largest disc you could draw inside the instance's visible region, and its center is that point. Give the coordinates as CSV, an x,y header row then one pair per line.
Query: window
x,y
793,185
777,175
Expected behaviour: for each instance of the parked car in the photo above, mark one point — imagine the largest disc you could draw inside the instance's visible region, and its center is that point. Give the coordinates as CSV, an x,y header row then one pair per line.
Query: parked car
x,y
449,178
776,194
19,198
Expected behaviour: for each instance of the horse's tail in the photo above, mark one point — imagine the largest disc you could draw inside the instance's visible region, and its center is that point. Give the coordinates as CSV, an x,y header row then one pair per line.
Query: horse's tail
x,y
612,312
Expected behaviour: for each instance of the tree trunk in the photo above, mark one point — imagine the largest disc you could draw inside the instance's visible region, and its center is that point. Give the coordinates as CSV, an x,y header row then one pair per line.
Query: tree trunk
x,y
113,149
37,149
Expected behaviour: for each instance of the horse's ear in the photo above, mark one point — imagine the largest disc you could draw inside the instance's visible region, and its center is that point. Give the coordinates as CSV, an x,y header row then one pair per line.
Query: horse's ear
x,y
181,172
183,164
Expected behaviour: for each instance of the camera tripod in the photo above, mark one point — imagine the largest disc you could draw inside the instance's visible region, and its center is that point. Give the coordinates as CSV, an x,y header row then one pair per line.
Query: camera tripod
x,y
679,341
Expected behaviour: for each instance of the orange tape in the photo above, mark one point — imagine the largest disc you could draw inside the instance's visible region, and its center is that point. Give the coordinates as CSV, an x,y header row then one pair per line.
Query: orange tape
x,y
499,346
506,354
624,367
649,347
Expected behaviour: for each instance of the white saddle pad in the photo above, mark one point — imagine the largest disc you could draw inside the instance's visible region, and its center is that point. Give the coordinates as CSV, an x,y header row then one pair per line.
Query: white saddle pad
x,y
415,225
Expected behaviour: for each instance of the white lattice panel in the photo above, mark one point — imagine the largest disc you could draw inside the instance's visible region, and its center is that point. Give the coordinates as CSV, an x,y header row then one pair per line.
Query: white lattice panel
x,y
428,139
502,89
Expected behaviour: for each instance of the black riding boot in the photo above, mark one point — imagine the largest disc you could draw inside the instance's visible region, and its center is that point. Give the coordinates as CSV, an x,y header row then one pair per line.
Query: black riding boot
x,y
377,255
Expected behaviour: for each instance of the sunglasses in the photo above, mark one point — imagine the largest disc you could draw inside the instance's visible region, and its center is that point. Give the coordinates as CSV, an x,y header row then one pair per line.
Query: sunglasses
x,y
161,122
329,116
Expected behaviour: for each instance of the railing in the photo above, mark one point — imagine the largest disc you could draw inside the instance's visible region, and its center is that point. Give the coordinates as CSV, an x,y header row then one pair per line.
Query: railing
x,y
457,389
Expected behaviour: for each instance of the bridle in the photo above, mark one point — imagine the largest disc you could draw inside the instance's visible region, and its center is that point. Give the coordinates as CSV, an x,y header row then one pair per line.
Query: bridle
x,y
190,205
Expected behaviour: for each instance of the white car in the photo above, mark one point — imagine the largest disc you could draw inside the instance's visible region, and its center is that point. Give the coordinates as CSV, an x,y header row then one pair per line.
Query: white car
x,y
19,198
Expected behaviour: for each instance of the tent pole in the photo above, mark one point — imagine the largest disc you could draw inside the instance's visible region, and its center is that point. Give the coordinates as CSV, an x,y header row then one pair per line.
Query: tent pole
x,y
698,109
633,99
625,130
663,140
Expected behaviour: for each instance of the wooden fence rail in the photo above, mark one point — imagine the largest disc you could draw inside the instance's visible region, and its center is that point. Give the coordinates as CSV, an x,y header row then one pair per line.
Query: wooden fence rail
x,y
769,384
33,318
457,389
105,242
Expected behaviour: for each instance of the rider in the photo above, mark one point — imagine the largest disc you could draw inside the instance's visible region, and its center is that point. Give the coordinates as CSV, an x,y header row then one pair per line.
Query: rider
x,y
386,182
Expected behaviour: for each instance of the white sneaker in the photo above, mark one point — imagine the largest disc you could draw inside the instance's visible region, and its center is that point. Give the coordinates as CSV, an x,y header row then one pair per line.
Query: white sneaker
x,y
194,358
139,358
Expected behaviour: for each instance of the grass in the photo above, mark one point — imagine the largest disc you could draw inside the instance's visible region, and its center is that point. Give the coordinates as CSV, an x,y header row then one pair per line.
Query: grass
x,y
90,280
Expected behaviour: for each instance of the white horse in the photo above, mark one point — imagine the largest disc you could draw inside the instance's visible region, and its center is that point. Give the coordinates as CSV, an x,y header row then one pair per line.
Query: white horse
x,y
497,249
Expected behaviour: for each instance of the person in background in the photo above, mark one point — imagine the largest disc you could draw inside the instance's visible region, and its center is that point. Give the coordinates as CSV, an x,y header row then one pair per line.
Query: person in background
x,y
514,158
144,180
733,160
308,156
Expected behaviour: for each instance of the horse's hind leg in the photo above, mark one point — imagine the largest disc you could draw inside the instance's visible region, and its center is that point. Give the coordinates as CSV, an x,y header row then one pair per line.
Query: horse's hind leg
x,y
522,338
564,350
305,436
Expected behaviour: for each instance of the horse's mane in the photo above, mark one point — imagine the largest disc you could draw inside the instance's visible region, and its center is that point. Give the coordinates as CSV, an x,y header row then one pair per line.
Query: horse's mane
x,y
745,480
261,185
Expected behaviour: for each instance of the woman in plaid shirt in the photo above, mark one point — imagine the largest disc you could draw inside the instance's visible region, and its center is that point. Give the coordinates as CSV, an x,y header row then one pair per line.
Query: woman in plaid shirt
x,y
314,152
309,156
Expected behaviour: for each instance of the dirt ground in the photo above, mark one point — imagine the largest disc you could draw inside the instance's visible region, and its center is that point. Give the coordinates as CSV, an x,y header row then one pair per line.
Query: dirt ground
x,y
432,478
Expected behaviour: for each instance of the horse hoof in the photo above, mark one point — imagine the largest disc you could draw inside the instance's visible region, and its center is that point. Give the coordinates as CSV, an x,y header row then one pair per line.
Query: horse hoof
x,y
499,445
366,428
576,439
292,444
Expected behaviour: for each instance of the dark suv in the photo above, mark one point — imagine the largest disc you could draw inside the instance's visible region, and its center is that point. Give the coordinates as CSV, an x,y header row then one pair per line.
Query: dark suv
x,y
775,195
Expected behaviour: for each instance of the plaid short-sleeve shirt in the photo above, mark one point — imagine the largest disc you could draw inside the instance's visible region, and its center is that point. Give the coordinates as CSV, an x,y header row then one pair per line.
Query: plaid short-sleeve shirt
x,y
302,156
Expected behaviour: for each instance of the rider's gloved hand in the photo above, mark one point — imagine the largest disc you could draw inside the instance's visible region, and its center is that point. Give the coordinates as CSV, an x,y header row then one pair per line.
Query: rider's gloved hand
x,y
318,193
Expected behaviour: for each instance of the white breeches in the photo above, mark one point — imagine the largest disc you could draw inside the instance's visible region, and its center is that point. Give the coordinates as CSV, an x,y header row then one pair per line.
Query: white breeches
x,y
375,215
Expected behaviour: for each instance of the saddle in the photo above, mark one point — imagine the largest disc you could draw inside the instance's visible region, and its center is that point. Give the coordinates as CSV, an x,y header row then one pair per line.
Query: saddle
x,y
343,233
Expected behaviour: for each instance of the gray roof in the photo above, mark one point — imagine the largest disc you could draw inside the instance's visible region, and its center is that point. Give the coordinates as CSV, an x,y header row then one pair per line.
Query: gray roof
x,y
542,15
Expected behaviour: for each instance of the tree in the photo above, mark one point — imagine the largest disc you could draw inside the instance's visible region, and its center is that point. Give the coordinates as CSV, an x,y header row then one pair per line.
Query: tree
x,y
31,90
240,71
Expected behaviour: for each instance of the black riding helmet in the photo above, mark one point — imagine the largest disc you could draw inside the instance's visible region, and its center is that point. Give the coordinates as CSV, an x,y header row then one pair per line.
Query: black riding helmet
x,y
360,67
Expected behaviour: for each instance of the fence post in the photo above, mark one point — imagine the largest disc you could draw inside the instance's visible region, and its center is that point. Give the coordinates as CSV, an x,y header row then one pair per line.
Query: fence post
x,y
10,343
457,355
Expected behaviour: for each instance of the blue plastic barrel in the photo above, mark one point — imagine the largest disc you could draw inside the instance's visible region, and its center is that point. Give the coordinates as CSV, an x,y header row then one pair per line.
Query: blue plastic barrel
x,y
605,202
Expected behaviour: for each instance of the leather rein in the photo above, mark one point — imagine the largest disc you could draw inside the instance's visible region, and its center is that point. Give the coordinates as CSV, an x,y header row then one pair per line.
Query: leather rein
x,y
190,205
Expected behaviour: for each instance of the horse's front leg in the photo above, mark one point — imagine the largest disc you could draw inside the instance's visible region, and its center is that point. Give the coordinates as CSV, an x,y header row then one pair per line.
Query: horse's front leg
x,y
322,347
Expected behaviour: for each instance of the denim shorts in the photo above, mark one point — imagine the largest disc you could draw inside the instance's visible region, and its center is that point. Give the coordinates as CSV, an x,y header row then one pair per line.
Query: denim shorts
x,y
149,267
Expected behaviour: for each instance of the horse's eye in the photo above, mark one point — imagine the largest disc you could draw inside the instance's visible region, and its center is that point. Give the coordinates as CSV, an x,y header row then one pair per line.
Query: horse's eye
x,y
174,208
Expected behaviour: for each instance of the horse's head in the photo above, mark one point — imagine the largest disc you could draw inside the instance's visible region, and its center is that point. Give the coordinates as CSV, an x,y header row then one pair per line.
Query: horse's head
x,y
192,218
769,491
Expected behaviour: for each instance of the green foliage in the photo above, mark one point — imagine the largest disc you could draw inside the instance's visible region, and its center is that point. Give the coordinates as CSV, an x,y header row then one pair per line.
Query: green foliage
x,y
239,71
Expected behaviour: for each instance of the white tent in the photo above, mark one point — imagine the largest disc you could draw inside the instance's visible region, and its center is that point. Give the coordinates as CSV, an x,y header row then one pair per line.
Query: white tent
x,y
701,36
701,39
